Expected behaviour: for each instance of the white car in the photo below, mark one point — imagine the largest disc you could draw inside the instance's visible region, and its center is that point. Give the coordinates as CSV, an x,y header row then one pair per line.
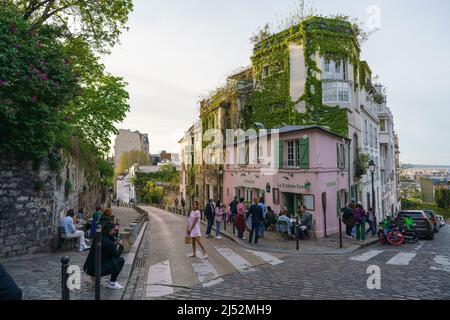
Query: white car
x,y
441,221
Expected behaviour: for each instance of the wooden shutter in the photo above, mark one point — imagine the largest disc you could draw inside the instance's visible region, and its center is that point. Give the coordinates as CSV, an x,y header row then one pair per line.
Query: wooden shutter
x,y
338,155
338,202
280,159
304,153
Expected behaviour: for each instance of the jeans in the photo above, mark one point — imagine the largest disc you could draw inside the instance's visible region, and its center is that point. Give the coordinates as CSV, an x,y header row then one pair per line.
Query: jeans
x,y
348,230
372,229
262,227
254,231
361,231
210,223
240,235
113,267
218,225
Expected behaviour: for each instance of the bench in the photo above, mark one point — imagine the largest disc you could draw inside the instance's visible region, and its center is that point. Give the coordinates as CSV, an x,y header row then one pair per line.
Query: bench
x,y
63,240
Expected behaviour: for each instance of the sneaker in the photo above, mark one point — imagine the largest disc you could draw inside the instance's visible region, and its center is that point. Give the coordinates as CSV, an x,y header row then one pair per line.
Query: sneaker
x,y
243,238
114,285
84,248
218,237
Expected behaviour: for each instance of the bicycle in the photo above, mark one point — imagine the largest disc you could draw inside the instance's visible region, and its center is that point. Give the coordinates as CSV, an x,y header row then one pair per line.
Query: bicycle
x,y
390,233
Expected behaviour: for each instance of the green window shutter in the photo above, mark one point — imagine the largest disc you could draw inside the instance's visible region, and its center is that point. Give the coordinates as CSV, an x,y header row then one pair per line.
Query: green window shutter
x,y
280,159
304,154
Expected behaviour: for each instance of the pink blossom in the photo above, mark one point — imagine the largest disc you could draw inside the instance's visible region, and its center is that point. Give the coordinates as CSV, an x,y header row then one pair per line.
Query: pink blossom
x,y
34,99
3,83
13,29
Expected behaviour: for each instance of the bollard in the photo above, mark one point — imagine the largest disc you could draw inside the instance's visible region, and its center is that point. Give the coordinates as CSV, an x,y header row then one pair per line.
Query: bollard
x,y
225,227
98,261
234,224
340,232
296,234
64,278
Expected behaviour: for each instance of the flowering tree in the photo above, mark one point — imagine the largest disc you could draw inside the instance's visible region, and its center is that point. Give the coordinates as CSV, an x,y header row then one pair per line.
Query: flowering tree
x,y
36,83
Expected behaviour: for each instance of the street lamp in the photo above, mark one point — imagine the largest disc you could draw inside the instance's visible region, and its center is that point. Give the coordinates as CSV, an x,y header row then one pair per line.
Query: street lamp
x,y
372,168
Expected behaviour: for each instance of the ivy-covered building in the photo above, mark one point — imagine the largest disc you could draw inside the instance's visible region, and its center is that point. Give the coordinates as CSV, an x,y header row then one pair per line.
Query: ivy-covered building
x,y
311,74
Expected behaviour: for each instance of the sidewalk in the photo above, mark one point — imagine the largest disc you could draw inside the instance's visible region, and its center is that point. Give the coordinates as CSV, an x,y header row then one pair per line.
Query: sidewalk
x,y
39,276
273,242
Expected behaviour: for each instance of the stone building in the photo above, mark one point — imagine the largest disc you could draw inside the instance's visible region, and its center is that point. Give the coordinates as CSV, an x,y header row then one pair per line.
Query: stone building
x,y
127,141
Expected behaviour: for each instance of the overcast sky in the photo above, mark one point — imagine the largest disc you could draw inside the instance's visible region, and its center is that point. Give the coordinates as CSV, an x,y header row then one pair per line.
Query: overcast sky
x,y
178,50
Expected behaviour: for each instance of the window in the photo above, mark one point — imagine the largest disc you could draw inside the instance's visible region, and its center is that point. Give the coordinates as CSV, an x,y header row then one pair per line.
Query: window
x,y
334,70
340,156
371,135
375,135
335,91
383,125
265,71
308,201
366,133
294,153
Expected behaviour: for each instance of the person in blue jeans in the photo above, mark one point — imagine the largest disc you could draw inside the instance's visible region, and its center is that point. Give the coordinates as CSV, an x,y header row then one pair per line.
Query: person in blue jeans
x,y
262,226
233,209
209,214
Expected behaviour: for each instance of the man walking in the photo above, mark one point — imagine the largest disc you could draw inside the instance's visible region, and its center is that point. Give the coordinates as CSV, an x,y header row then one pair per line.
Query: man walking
x,y
262,225
257,217
209,214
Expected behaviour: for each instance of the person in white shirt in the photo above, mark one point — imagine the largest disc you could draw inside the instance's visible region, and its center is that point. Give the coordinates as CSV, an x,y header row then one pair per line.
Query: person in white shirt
x,y
71,232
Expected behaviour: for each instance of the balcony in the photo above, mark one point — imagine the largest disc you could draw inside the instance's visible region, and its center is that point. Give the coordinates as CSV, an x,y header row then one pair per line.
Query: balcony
x,y
384,111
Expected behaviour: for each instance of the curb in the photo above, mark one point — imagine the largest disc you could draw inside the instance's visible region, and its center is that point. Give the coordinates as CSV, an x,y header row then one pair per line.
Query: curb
x,y
130,258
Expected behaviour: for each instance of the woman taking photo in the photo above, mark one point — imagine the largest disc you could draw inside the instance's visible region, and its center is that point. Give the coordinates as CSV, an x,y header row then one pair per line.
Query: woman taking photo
x,y
193,230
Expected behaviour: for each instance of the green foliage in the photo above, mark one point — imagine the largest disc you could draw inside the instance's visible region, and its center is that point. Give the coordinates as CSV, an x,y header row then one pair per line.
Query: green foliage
x,y
442,198
35,85
411,204
361,164
167,175
99,22
152,193
271,103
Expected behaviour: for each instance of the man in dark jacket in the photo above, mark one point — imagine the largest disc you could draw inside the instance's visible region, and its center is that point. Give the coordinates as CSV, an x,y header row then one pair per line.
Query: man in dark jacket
x,y
8,288
209,214
257,215
233,209
112,262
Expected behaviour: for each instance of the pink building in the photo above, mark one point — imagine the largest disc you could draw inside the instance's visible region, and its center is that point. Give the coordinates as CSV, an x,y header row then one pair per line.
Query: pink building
x,y
299,165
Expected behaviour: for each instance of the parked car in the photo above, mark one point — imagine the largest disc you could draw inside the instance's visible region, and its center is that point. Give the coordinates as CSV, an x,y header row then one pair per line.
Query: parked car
x,y
422,223
441,221
432,216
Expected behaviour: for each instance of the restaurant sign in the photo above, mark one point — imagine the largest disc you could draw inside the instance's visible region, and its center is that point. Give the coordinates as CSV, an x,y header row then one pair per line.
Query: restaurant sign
x,y
295,186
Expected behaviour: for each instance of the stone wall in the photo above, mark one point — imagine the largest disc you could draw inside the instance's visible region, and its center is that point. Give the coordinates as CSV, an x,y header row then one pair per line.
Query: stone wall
x,y
32,202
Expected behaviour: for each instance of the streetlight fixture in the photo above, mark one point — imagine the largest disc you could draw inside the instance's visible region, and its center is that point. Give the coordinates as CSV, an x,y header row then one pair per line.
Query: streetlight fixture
x,y
372,168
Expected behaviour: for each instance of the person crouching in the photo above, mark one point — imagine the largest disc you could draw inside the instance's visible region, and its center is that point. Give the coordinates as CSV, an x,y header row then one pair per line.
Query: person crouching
x,y
112,262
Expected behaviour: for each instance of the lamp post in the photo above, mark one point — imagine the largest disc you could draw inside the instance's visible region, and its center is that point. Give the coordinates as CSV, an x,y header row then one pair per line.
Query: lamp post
x,y
372,168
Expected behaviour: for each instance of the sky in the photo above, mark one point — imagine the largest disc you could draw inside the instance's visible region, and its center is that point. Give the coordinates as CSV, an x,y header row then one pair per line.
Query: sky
x,y
176,51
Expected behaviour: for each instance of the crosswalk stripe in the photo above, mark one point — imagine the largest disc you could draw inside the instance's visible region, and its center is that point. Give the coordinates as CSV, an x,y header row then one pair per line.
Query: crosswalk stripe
x,y
402,258
236,260
267,257
366,255
159,280
205,271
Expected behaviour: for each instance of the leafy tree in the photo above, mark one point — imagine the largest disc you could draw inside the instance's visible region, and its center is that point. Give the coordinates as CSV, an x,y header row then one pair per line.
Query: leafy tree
x,y
130,158
153,193
98,22
36,83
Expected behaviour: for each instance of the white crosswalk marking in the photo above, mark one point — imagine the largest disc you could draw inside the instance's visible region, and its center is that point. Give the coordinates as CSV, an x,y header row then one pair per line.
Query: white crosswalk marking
x,y
267,257
366,255
205,271
236,260
443,262
159,280
402,258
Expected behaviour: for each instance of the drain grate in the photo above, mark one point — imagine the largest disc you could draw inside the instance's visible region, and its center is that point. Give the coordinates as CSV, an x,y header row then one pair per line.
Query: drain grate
x,y
139,262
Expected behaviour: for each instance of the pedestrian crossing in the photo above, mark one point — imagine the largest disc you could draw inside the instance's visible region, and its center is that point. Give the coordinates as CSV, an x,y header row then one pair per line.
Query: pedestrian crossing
x,y
441,263
208,272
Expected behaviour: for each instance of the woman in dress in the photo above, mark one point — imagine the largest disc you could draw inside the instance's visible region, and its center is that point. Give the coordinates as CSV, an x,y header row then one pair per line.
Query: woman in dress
x,y
219,218
193,230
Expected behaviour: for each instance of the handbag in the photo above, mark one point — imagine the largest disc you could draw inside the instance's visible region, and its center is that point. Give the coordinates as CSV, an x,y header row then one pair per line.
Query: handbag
x,y
187,240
